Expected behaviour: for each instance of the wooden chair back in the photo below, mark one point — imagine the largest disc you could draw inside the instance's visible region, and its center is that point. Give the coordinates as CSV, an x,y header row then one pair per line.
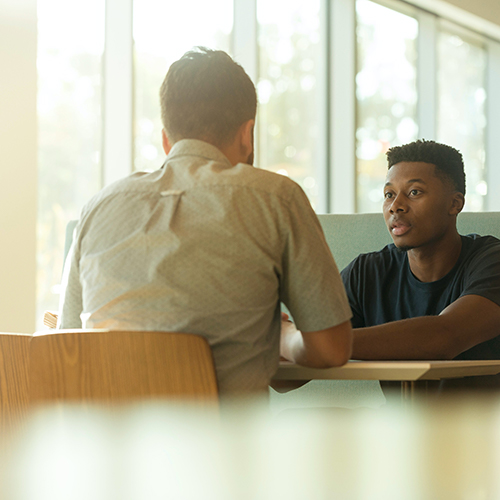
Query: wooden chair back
x,y
118,366
14,394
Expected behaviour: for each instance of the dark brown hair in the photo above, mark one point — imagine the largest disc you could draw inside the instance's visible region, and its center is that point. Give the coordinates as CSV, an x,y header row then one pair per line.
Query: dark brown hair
x,y
206,96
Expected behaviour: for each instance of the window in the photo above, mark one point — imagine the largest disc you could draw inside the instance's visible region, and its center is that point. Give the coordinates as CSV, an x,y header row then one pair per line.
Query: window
x,y
69,128
297,53
461,101
290,105
386,92
163,31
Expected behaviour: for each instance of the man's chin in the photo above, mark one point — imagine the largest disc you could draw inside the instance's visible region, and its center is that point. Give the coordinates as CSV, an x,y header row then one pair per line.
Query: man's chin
x,y
400,246
403,248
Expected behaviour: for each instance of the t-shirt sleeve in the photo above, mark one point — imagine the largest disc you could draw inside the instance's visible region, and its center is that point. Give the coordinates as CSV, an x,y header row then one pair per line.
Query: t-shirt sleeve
x,y
310,285
352,279
483,278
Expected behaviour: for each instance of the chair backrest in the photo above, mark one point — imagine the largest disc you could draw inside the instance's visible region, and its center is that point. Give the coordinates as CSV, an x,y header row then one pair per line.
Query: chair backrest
x,y
118,366
348,235
14,394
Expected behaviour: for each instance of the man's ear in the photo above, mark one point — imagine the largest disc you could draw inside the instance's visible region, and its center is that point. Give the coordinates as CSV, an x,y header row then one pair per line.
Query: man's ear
x,y
457,203
165,142
246,136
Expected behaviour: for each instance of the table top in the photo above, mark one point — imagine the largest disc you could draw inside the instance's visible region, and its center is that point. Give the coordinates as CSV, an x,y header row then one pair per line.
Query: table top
x,y
390,370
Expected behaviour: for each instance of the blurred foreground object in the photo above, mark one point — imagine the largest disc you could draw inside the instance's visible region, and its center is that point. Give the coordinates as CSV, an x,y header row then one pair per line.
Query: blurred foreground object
x,y
450,451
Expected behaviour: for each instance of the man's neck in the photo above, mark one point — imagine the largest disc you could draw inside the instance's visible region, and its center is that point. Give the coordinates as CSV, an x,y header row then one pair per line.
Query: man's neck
x,y
435,260
233,153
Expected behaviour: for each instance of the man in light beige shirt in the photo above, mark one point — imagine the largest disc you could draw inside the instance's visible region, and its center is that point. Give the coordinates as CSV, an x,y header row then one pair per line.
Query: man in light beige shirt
x,y
209,244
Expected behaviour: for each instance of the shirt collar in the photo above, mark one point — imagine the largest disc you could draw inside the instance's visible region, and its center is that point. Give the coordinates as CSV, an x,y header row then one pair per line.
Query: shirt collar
x,y
195,147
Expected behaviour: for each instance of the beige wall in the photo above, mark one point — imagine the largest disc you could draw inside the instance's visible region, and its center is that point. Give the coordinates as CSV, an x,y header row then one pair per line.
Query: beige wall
x,y
18,157
487,9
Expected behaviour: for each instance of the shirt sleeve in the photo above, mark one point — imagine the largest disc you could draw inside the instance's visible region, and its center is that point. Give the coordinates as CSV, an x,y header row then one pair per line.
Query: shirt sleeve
x,y
483,278
351,278
310,285
70,304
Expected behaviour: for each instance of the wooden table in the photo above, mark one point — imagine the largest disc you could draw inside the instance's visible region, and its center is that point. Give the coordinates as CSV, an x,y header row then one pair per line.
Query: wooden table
x,y
409,373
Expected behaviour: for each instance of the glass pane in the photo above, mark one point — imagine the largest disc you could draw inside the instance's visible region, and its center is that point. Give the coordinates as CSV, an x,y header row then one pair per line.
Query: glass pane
x,y
386,91
69,128
461,116
163,31
289,102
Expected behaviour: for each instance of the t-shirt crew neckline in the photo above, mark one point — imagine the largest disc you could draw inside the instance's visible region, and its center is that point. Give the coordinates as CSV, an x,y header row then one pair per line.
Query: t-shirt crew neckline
x,y
431,286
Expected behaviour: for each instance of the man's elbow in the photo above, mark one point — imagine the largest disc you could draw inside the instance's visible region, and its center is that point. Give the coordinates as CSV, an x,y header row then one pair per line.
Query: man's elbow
x,y
447,345
339,357
345,355
339,348
449,351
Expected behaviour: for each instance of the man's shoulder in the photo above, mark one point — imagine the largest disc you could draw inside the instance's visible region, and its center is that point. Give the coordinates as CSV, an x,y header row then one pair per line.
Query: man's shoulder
x,y
387,254
266,180
117,189
477,245
478,241
384,262
479,251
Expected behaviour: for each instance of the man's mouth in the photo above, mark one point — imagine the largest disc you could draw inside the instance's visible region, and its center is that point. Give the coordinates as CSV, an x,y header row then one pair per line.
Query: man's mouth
x,y
398,228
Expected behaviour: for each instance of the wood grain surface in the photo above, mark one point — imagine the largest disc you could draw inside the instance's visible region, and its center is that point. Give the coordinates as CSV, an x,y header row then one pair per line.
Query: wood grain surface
x,y
119,366
14,394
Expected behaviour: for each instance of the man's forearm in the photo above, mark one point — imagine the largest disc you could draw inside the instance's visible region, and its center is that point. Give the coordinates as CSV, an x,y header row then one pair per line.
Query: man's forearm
x,y
321,349
425,337
468,321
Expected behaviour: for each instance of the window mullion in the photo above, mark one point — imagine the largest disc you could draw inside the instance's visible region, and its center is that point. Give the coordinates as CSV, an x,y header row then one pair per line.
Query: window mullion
x,y
323,85
343,106
427,75
117,91
245,47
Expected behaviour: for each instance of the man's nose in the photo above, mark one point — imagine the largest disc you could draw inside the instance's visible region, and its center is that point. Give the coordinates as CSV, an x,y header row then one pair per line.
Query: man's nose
x,y
398,205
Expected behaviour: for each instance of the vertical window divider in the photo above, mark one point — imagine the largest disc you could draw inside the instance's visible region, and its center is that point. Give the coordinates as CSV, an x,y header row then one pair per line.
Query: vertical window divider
x,y
343,106
118,96
245,49
324,169
427,75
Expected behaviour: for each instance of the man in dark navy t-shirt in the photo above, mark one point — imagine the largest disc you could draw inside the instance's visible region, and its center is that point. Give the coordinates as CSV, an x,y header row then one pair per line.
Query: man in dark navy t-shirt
x,y
432,294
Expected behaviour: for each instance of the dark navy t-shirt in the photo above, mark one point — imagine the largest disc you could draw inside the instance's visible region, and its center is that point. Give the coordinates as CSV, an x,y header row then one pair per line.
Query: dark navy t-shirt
x,y
381,287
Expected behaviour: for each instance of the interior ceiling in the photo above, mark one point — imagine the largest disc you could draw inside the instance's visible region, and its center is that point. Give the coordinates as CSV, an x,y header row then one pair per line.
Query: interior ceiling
x,y
487,9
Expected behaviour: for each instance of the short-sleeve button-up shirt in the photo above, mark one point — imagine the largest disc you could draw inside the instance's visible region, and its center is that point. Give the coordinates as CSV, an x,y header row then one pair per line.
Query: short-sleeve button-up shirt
x,y
204,247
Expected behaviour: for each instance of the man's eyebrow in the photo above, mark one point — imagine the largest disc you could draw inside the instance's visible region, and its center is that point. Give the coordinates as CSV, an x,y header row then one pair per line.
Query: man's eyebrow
x,y
410,181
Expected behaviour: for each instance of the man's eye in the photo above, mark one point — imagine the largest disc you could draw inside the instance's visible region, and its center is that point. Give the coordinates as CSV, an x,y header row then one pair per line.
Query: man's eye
x,y
414,192
387,195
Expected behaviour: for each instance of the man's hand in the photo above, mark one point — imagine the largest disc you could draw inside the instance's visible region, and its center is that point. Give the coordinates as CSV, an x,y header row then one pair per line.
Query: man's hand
x,y
287,328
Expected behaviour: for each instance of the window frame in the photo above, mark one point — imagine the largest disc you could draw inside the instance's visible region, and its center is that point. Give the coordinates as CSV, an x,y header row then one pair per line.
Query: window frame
x,y
118,92
337,89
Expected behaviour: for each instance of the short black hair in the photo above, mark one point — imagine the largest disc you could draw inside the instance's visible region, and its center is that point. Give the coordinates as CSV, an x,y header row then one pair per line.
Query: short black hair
x,y
448,161
207,96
